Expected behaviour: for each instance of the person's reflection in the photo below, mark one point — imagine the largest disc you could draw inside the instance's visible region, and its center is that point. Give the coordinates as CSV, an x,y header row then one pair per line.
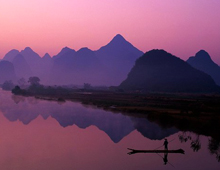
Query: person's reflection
x,y
165,158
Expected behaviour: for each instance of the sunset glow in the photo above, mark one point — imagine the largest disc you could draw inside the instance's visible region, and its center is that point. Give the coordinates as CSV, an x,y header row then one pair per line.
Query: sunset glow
x,y
180,27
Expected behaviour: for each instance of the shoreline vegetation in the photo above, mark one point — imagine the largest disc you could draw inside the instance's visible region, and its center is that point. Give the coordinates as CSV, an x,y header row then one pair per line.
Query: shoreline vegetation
x,y
199,113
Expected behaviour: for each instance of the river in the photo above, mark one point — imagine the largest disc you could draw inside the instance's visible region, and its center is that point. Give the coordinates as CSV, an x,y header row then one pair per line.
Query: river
x,y
40,135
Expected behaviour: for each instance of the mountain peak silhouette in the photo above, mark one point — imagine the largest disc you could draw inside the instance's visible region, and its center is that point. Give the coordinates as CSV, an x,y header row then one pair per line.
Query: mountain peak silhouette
x,y
29,53
64,51
203,62
203,55
117,58
28,49
118,37
84,49
119,42
11,55
202,52
157,55
47,56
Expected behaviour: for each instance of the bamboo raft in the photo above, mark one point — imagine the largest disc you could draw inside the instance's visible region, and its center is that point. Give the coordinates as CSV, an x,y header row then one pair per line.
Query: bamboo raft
x,y
133,151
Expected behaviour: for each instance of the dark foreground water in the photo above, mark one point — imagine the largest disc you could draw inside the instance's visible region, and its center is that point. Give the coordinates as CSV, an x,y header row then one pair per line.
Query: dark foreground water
x,y
44,135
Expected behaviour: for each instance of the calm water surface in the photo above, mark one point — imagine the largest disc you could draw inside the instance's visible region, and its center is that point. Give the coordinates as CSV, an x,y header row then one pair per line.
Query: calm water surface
x,y
42,135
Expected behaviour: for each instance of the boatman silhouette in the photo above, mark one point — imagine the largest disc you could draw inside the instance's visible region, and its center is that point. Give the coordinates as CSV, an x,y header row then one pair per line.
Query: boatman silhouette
x,y
165,144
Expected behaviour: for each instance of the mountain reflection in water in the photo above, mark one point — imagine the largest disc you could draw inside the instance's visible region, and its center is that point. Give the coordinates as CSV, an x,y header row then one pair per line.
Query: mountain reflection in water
x,y
115,125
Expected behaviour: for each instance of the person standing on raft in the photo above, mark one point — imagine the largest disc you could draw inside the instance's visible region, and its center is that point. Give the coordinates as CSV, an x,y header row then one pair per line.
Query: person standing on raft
x,y
165,144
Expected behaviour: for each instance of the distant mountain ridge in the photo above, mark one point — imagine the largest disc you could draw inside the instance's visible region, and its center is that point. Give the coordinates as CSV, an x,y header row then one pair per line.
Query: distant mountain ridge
x,y
203,62
28,63
107,66
159,71
116,64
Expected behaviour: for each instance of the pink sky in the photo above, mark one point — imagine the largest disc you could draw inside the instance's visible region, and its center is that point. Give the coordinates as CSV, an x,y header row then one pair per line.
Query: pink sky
x,y
181,27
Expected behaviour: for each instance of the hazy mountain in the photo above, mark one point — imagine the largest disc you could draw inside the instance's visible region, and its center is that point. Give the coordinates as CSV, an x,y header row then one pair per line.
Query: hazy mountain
x,y
33,60
85,59
160,71
71,67
7,71
203,62
29,55
22,69
11,55
40,67
107,66
62,69
46,57
117,57
46,63
111,64
28,63
118,47
66,51
88,67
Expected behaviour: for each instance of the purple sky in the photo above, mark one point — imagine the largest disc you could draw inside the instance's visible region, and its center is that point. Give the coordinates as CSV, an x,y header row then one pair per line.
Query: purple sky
x,y
181,27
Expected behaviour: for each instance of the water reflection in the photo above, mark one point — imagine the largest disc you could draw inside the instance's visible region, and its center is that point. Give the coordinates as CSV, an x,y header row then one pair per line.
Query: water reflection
x,y
116,126
70,136
195,143
152,130
214,147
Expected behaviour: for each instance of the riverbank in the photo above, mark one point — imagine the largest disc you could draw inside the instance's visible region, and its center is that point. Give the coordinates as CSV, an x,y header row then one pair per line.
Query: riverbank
x,y
174,104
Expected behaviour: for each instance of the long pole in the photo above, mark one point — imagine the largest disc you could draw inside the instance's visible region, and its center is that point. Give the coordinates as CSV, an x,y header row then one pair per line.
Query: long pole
x,y
162,145
167,161
161,156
